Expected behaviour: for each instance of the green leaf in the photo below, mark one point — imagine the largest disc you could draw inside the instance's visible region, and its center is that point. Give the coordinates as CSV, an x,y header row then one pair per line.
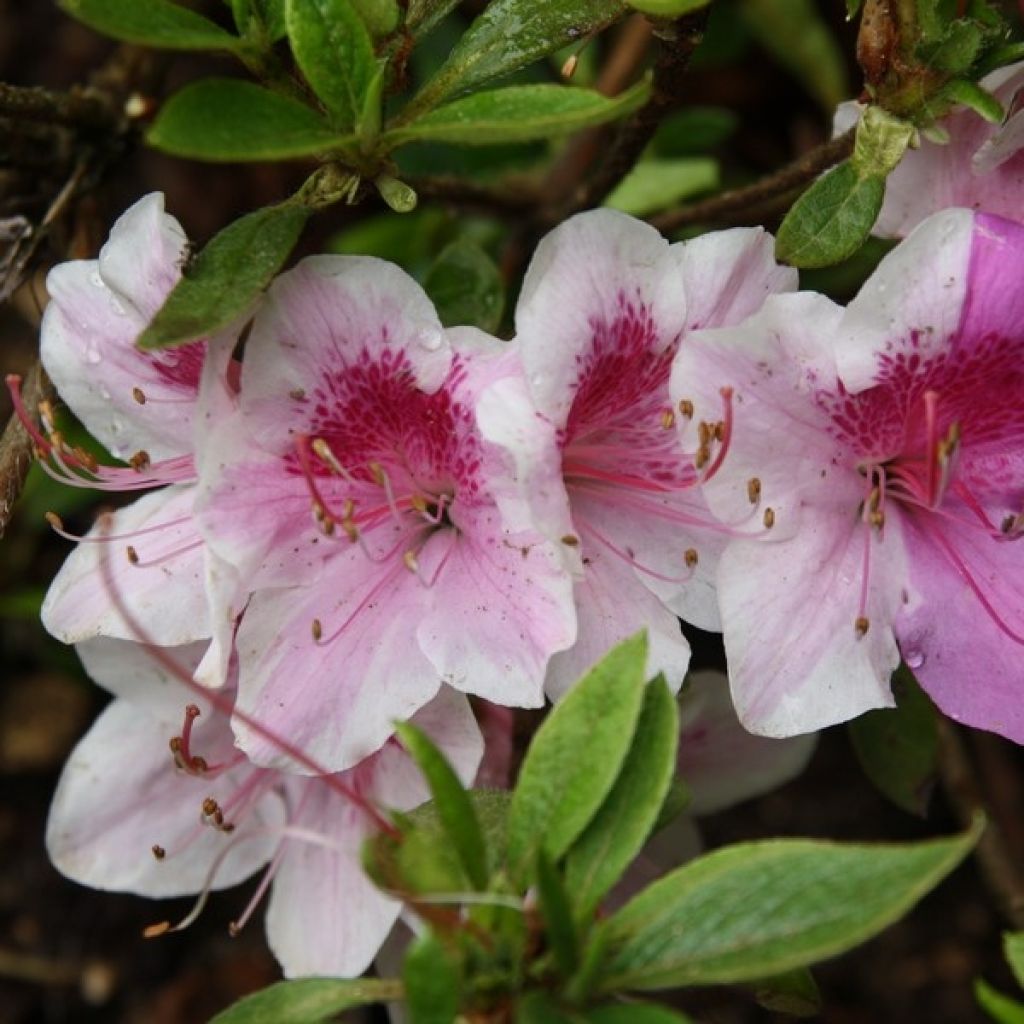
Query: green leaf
x,y
757,909
955,51
223,282
898,747
431,982
228,119
454,808
677,799
466,287
667,8
798,37
1000,1008
424,860
881,141
541,1008
268,14
559,927
655,184
635,1013
794,993
1013,950
381,17
620,828
980,100
831,220
575,757
852,7
308,1000
518,113
422,15
694,130
510,34
335,52
153,23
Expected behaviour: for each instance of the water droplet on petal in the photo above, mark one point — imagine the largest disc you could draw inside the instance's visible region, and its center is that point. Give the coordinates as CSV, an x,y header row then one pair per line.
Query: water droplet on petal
x,y
429,338
92,356
914,659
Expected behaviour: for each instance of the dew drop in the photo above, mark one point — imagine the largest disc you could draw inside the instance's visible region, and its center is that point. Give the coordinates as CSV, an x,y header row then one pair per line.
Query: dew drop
x,y
429,338
914,659
92,356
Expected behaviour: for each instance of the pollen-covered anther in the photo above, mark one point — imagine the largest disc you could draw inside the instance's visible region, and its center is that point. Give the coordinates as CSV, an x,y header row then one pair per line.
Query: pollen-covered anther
x,y
213,815
705,433
570,540
58,524
1012,526
154,931
769,518
754,490
418,504
690,557
668,419
159,852
133,555
322,450
719,430
317,630
139,395
686,408
409,557
703,456
861,625
877,519
140,461
351,530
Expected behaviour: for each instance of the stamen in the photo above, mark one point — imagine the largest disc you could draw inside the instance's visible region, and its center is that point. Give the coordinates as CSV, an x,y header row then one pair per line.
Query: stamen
x,y
384,481
409,558
133,556
931,400
57,525
570,540
668,419
690,557
686,408
754,490
139,395
861,626
626,557
768,518
159,852
322,450
722,432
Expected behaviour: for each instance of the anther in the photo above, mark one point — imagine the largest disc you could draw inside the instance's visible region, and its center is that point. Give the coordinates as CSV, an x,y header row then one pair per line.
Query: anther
x,y
703,456
154,931
690,557
569,67
754,490
318,630
133,555
704,433
719,430
686,408
861,625
409,557
769,518
139,461
668,419
58,524
234,929
322,450
570,540
877,519
159,852
297,394
139,395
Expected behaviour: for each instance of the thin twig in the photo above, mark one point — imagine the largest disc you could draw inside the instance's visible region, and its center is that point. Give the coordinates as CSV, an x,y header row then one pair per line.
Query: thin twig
x,y
502,200
999,867
739,201
79,108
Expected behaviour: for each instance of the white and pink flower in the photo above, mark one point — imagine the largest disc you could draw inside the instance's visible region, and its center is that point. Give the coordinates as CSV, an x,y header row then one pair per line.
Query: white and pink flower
x,y
882,449
604,308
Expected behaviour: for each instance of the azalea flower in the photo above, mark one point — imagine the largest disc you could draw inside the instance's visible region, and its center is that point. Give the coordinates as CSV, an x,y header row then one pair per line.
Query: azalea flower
x,y
354,497
885,442
158,800
604,308
143,407
981,166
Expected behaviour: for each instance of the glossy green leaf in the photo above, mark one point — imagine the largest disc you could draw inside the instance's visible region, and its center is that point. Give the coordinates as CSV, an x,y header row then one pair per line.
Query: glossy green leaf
x,y
542,1008
268,15
431,982
898,747
308,1000
559,926
157,23
1013,950
627,817
831,220
575,757
972,95
881,141
634,1013
798,37
466,287
1002,1009
794,993
381,17
656,184
422,15
757,909
510,34
221,119
224,281
667,8
335,53
677,799
518,113
454,807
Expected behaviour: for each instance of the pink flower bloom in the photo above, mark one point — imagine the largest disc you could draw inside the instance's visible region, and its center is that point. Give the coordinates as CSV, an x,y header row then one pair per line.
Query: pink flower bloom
x,y
980,167
143,407
353,495
604,307
130,815
886,446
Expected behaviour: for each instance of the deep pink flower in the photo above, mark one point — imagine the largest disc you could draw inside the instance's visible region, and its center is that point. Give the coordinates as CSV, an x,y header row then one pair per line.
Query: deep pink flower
x,y
981,166
604,307
887,446
354,496
143,407
130,815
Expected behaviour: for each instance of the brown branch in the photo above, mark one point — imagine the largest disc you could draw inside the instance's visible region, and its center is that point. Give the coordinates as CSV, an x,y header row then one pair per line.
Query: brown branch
x,y
508,200
740,202
998,866
16,449
79,108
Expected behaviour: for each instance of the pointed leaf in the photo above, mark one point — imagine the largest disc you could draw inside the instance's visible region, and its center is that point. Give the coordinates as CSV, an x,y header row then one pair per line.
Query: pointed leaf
x,y
794,993
635,1013
653,185
454,807
1002,1009
335,52
466,287
422,15
510,34
1013,950
431,982
153,23
575,757
618,831
898,747
542,1008
308,1000
228,119
225,279
559,927
518,113
831,220
268,13
757,909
